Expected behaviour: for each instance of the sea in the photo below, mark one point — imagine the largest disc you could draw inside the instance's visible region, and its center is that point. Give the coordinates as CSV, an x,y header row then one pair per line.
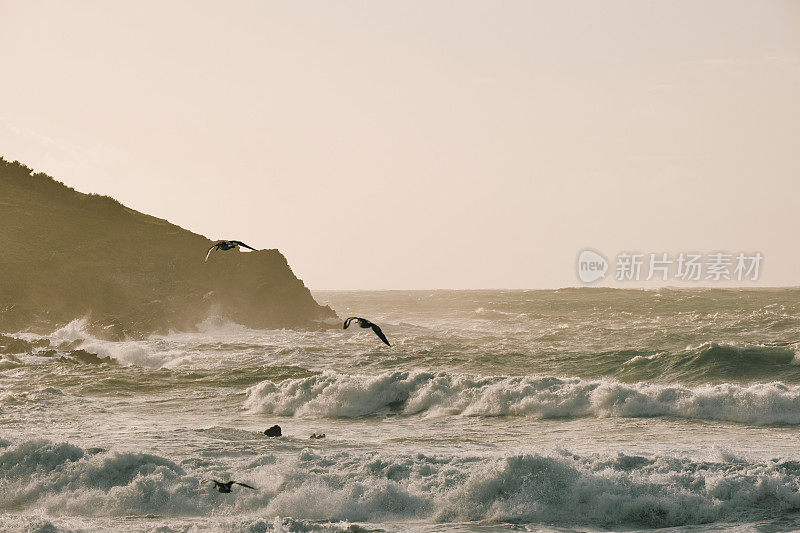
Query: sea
x,y
579,409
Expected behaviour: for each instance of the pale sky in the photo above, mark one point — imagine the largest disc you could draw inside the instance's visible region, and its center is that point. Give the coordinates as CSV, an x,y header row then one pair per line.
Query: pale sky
x,y
455,144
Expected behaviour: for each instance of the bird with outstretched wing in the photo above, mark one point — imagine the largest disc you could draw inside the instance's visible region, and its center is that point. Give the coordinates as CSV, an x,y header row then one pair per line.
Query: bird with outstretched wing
x,y
225,488
364,323
224,246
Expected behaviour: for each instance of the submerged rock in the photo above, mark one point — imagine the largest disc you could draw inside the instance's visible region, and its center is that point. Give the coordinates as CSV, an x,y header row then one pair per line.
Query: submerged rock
x,y
82,356
13,345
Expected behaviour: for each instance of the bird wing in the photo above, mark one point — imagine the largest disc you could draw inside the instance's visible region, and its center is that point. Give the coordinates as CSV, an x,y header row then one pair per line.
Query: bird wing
x,y
380,334
245,485
240,243
347,322
209,252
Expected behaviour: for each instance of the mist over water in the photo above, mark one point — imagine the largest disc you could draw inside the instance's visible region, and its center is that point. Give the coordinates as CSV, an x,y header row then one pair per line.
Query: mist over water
x,y
581,409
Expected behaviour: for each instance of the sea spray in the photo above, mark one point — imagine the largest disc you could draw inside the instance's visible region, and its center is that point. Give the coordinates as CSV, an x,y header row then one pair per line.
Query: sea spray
x,y
335,395
561,489
547,410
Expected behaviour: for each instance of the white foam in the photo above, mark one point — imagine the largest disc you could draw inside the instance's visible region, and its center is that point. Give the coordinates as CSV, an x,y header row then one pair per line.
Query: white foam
x,y
369,486
435,394
74,331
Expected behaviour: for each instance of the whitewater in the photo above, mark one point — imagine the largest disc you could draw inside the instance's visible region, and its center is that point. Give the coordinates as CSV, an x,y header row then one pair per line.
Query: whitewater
x,y
568,410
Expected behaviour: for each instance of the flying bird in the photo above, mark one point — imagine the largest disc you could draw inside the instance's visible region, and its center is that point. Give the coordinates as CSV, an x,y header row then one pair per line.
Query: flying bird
x,y
364,323
225,488
224,246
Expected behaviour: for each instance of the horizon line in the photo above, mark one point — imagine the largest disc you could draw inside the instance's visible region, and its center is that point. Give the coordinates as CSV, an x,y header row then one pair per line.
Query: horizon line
x,y
667,287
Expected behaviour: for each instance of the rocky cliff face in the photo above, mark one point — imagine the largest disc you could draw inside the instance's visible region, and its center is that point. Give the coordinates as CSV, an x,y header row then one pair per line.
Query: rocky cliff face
x,y
67,255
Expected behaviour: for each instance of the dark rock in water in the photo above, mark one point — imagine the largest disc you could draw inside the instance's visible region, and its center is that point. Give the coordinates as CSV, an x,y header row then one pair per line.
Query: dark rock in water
x,y
13,345
317,436
274,431
82,356
68,255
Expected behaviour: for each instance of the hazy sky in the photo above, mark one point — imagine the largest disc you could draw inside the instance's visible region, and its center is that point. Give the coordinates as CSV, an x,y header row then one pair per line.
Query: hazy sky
x,y
454,144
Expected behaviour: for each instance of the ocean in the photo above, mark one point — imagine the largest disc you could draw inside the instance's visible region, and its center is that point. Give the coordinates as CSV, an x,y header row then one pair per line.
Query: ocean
x,y
567,410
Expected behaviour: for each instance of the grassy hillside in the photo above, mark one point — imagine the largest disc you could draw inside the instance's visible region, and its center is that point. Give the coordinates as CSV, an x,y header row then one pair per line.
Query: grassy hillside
x,y
65,255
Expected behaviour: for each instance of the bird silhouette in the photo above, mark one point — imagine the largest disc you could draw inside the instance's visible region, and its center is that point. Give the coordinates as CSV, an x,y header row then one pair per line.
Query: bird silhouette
x,y
225,488
224,246
364,323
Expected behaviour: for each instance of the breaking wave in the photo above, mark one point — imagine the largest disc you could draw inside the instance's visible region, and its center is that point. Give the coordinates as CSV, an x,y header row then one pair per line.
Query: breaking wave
x,y
438,394
340,487
66,479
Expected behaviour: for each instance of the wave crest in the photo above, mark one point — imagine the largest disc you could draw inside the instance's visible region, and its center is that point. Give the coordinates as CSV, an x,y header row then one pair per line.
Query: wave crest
x,y
369,486
435,394
67,479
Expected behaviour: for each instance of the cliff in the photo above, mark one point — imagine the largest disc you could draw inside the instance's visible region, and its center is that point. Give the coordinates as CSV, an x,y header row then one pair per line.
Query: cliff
x,y
67,255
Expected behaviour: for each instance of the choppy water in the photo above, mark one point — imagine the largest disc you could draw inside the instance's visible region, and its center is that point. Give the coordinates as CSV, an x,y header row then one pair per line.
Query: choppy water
x,y
565,410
